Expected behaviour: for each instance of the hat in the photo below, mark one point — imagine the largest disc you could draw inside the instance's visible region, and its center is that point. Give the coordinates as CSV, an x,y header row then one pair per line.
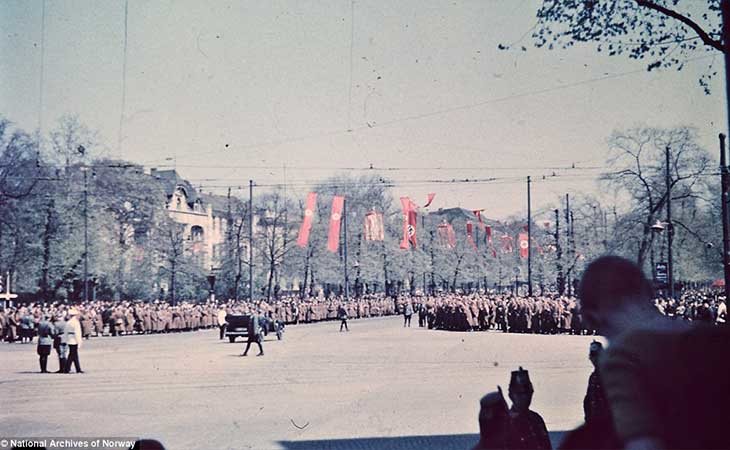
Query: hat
x,y
520,381
596,347
73,312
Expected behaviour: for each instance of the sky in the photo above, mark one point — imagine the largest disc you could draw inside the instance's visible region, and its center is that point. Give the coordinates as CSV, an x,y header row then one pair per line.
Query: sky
x,y
297,91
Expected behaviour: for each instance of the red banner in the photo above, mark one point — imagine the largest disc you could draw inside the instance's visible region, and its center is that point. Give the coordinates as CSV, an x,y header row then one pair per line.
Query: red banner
x,y
478,213
524,245
451,235
303,237
446,235
430,199
406,204
333,240
470,234
374,230
412,223
488,233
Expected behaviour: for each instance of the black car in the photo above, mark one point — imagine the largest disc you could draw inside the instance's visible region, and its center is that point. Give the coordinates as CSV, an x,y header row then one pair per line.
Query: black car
x,y
237,325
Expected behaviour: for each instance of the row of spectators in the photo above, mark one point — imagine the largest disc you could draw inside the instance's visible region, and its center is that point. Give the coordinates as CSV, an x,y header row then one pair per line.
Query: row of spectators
x,y
100,318
453,312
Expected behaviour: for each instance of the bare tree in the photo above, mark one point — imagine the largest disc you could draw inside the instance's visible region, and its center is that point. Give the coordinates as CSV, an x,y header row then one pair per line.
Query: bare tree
x,y
638,172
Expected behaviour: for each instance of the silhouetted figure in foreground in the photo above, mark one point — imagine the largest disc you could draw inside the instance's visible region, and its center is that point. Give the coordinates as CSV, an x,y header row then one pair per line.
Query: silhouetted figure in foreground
x,y
597,432
492,422
667,382
526,429
147,444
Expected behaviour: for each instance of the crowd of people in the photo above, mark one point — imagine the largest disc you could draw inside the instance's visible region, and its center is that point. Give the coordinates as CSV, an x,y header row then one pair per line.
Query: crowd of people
x,y
452,312
507,313
102,318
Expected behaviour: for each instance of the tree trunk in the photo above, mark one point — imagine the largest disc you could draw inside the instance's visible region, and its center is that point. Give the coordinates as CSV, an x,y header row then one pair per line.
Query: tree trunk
x,y
172,283
456,273
45,291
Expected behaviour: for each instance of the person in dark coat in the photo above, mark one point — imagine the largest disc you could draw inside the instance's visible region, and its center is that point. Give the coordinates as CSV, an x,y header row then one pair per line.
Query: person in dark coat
x,y
526,428
597,432
45,341
254,334
342,315
492,422
595,403
59,341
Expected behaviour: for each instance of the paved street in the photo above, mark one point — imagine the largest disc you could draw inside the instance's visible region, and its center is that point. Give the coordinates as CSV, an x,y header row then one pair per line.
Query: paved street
x,y
378,386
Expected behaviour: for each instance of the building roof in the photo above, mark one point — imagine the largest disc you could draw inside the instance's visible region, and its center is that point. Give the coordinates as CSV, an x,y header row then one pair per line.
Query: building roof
x,y
171,181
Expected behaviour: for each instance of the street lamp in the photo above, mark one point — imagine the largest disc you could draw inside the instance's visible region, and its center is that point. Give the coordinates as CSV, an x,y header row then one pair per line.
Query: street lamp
x,y
659,227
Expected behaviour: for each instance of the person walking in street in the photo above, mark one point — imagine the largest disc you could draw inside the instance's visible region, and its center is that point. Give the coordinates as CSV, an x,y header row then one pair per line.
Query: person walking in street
x,y
74,340
342,315
45,341
254,334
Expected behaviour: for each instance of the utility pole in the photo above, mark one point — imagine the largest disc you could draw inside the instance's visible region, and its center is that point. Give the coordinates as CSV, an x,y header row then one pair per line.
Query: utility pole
x,y
573,259
250,240
559,255
725,177
433,285
529,241
670,227
567,242
86,234
344,220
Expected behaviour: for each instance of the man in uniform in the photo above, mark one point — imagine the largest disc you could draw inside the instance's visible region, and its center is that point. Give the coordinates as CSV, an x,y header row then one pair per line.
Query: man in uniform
x,y
72,333
59,340
667,382
254,334
595,404
526,428
222,321
45,341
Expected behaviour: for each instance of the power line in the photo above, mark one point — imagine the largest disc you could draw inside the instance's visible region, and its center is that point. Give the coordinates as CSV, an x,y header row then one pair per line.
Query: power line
x,y
372,125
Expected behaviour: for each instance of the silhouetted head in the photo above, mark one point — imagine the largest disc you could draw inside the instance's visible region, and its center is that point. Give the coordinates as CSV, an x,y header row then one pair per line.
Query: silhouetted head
x,y
595,352
520,390
615,295
148,444
492,414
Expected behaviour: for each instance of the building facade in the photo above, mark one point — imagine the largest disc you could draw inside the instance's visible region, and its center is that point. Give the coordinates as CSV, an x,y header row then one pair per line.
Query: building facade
x,y
203,217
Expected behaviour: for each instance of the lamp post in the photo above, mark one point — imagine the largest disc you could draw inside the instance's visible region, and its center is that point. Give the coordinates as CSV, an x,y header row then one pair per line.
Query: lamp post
x,y
659,227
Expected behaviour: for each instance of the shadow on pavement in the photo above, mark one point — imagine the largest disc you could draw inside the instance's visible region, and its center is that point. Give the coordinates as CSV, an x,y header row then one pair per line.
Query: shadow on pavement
x,y
438,442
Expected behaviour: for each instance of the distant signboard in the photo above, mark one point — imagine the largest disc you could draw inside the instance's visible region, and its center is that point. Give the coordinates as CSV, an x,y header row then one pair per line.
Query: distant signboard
x,y
660,274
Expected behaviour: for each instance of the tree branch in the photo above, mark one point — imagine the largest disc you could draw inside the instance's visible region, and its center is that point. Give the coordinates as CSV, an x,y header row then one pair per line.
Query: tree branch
x,y
717,45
